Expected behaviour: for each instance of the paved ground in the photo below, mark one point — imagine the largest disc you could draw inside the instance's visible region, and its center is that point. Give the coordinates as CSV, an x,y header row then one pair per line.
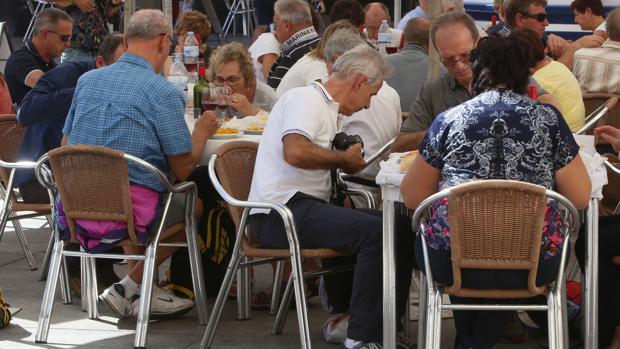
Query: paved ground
x,y
72,329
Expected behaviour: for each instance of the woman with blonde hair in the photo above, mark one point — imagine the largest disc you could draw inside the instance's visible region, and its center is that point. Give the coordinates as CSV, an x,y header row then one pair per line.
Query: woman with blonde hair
x,y
230,66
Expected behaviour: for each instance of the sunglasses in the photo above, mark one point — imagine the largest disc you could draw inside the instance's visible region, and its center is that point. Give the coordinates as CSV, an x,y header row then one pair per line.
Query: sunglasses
x,y
62,37
541,17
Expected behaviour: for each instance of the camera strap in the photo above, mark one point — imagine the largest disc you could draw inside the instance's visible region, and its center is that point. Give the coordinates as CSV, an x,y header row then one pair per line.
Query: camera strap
x,y
338,190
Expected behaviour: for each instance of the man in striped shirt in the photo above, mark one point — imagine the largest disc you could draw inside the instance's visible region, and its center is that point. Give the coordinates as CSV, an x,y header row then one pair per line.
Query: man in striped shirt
x,y
297,36
598,69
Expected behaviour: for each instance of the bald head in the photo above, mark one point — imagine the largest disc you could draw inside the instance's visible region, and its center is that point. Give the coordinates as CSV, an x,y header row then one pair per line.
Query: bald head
x,y
417,31
147,24
374,14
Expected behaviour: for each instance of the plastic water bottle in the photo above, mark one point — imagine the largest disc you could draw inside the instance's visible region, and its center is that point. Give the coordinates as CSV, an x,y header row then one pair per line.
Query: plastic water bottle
x,y
384,38
177,74
190,55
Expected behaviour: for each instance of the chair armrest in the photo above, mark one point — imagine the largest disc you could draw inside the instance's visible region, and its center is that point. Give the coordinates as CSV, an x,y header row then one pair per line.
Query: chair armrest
x,y
19,164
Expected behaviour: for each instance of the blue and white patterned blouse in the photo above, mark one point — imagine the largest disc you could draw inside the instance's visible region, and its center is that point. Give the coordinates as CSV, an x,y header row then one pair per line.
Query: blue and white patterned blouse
x,y
498,134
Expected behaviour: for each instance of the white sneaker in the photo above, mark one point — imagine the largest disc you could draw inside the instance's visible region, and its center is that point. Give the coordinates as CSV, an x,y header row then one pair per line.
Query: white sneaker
x,y
114,298
165,304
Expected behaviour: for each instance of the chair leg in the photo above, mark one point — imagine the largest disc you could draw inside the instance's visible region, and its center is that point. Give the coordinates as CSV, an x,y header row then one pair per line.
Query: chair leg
x,y
48,295
300,300
278,325
243,302
216,313
422,311
48,254
437,320
4,216
84,283
561,319
430,317
145,296
200,299
277,287
64,281
21,237
551,323
92,290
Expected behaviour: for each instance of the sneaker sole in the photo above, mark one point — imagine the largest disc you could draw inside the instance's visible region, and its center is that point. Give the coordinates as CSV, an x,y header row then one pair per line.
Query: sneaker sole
x,y
112,308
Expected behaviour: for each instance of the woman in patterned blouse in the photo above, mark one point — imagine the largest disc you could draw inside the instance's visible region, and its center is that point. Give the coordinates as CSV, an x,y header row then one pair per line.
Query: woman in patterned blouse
x,y
499,134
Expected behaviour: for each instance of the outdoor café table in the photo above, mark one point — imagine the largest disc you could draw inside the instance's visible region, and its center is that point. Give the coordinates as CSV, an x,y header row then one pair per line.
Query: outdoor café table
x,y
390,190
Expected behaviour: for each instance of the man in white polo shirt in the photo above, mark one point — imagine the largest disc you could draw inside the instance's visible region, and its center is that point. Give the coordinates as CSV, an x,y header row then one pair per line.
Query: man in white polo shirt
x,y
293,167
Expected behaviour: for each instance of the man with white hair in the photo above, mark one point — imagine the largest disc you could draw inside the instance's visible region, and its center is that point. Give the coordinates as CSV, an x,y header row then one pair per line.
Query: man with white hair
x,y
129,107
293,166
296,34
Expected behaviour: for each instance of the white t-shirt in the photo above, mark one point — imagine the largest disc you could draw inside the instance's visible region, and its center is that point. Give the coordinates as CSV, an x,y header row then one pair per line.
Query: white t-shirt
x,y
376,125
266,43
602,27
309,111
306,70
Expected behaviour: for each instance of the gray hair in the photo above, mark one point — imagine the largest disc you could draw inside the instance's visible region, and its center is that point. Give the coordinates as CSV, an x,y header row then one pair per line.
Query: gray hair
x,y
49,18
341,41
454,17
364,60
147,24
613,24
294,11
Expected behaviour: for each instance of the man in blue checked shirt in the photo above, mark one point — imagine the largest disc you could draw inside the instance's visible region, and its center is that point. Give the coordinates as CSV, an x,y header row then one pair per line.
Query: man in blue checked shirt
x,y
128,106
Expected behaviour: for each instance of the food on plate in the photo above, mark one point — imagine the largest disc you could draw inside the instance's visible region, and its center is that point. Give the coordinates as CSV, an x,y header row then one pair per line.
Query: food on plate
x,y
255,128
406,160
226,131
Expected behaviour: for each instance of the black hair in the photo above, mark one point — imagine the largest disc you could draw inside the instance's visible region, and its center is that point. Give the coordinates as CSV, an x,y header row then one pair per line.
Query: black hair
x,y
347,9
501,60
109,46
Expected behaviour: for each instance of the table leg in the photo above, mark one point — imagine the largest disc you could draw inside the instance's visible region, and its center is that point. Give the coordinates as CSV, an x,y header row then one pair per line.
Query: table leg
x,y
590,298
389,276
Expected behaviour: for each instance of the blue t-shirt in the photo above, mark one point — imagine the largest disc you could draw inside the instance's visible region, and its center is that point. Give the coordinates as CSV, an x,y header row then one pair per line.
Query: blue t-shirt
x,y
498,134
128,107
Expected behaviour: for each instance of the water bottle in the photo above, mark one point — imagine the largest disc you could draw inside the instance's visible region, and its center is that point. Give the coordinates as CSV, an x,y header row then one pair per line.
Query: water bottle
x,y
190,55
177,74
384,38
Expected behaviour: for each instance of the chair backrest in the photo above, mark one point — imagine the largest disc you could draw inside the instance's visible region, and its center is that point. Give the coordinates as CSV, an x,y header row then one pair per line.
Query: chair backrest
x,y
234,167
11,136
93,183
593,101
496,224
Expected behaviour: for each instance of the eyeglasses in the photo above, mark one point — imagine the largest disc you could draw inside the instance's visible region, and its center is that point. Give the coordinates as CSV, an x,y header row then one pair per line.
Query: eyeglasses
x,y
169,37
232,80
541,17
450,62
62,37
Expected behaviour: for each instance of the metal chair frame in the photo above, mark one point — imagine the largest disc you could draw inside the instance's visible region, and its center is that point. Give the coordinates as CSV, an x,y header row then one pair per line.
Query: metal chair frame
x,y
240,261
11,205
45,176
35,10
599,115
244,8
431,293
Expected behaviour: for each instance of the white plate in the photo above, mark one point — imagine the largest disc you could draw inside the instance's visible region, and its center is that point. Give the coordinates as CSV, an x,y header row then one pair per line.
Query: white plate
x,y
227,136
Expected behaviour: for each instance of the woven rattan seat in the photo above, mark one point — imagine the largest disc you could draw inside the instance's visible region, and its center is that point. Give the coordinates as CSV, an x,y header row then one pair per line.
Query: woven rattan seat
x,y
93,183
231,169
12,136
498,225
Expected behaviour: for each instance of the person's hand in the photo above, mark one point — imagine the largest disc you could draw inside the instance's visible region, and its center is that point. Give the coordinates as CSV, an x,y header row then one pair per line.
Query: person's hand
x,y
207,124
609,134
590,41
556,45
85,5
241,104
353,159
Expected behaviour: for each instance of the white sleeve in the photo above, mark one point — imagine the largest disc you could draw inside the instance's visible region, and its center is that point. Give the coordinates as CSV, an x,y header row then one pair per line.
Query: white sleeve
x,y
265,44
302,117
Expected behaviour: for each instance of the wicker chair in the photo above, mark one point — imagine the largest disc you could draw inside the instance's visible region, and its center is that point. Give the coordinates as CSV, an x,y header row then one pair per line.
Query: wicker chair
x,y
495,224
93,183
600,110
231,169
12,135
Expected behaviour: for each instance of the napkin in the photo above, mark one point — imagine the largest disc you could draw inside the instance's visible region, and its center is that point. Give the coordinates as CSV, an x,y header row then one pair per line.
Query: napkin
x,y
596,170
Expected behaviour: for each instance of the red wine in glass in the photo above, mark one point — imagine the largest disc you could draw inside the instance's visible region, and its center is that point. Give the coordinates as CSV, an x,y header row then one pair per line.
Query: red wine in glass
x,y
391,49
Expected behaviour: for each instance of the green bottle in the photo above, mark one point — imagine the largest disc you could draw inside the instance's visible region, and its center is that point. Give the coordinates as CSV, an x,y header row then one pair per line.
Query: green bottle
x,y
202,85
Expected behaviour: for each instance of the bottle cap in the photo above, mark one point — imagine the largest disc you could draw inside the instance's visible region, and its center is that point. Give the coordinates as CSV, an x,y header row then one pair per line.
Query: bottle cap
x,y
190,33
494,19
202,70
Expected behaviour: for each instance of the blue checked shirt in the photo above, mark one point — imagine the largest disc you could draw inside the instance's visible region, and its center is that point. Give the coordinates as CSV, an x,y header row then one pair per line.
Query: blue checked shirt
x,y
128,107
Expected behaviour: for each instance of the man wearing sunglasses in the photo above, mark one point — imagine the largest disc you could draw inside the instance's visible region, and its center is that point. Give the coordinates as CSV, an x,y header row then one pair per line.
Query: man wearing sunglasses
x,y
532,14
52,34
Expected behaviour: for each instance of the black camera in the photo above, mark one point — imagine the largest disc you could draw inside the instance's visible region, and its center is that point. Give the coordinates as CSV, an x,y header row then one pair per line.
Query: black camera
x,y
343,141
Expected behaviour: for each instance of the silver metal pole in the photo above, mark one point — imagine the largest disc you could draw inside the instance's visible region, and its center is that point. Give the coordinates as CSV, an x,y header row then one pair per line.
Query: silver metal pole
x,y
389,277
591,277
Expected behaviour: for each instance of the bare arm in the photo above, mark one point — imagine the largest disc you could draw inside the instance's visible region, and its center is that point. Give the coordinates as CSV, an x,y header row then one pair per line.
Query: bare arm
x,y
419,183
183,165
407,141
573,182
64,140
267,60
547,98
568,53
301,153
32,77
